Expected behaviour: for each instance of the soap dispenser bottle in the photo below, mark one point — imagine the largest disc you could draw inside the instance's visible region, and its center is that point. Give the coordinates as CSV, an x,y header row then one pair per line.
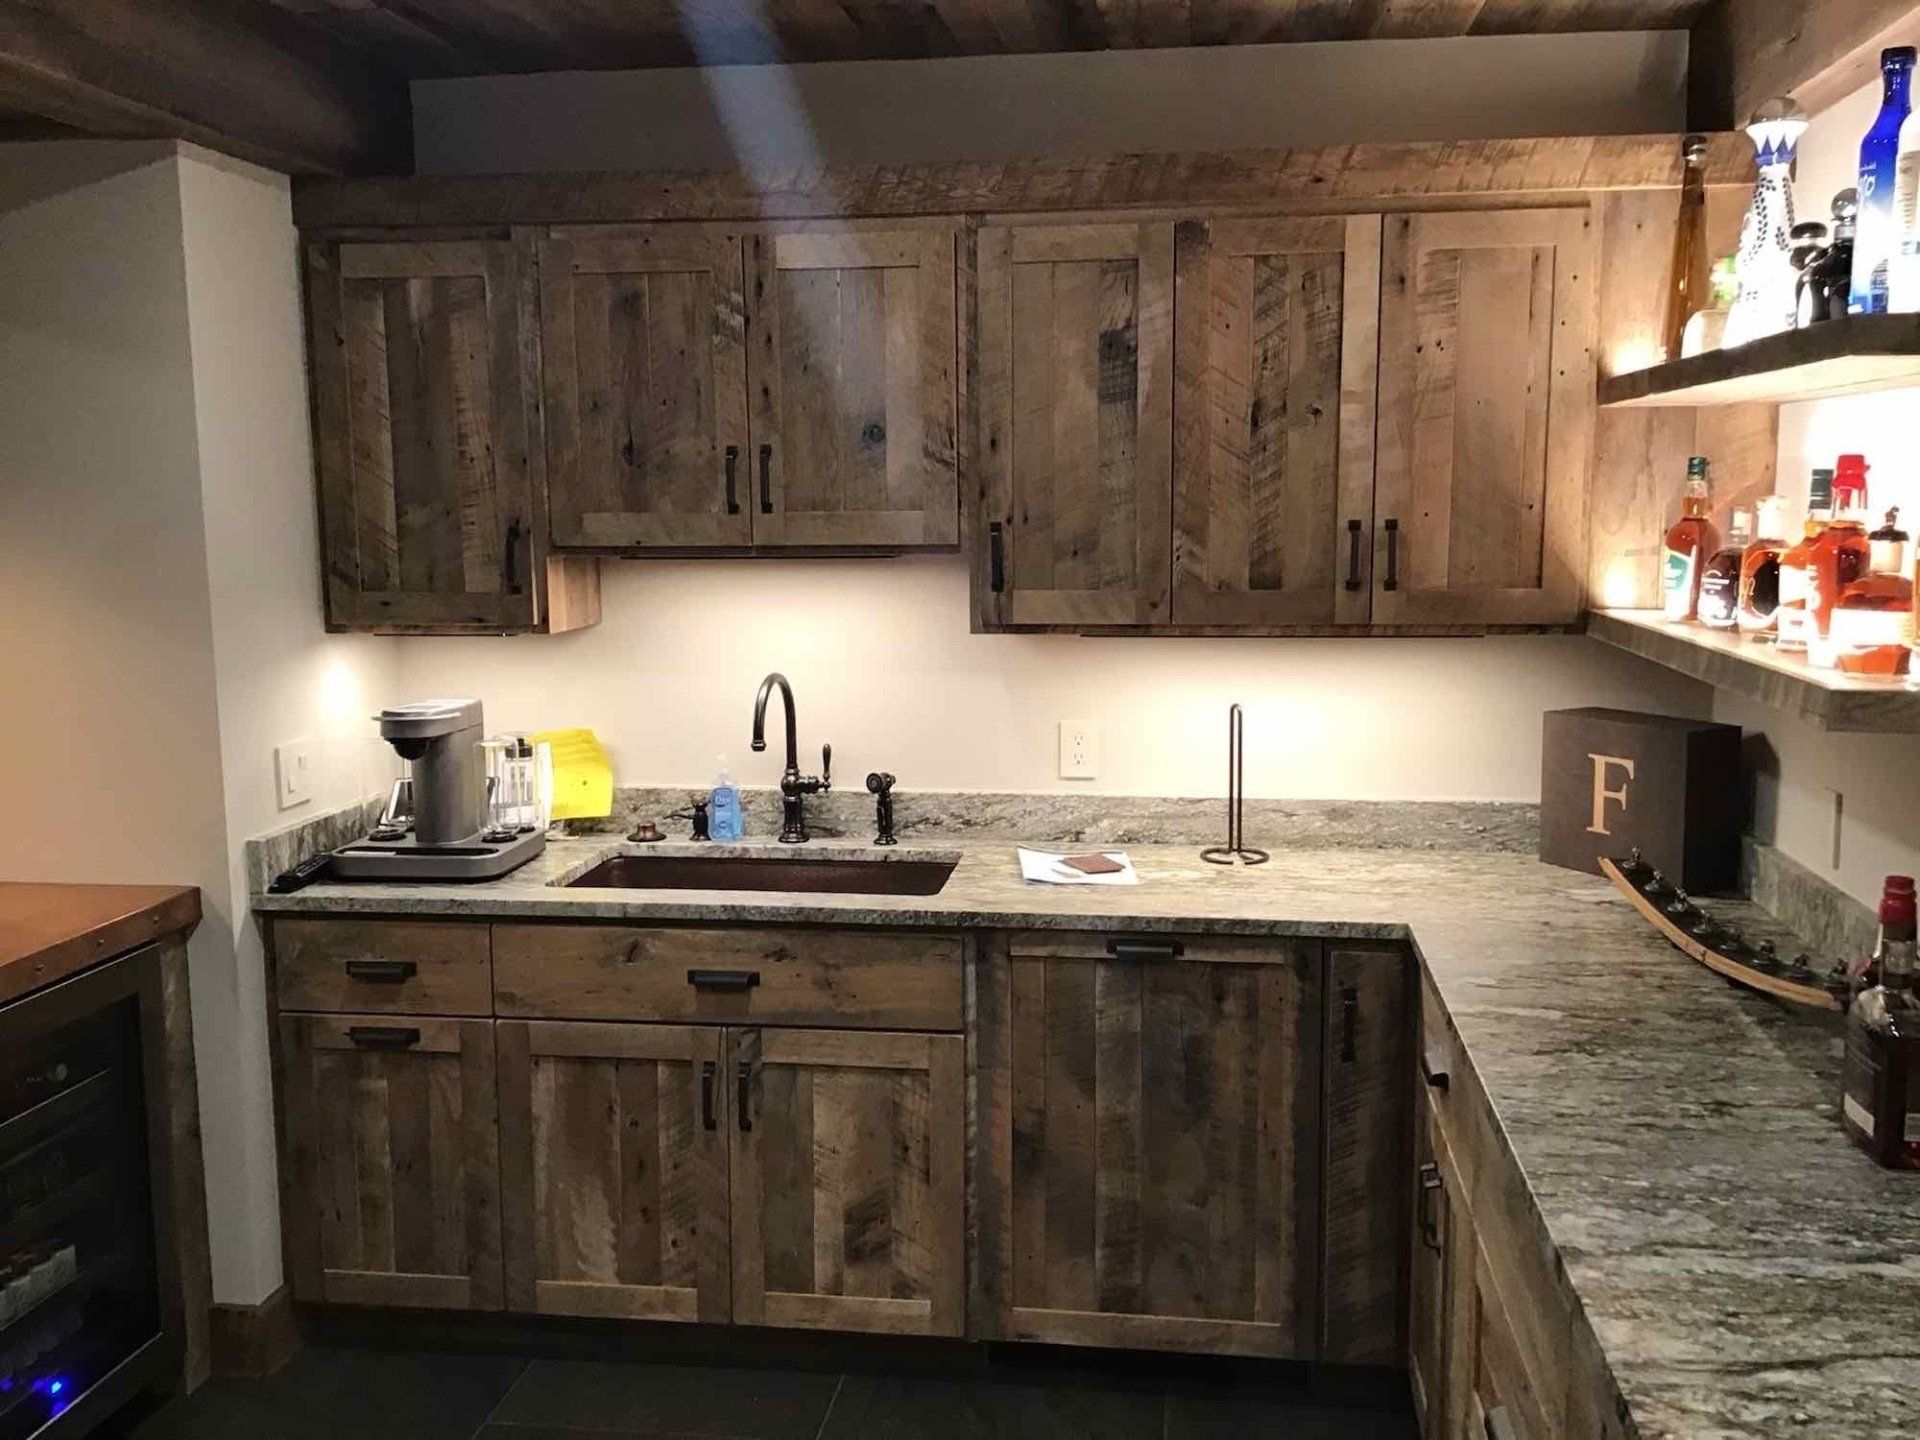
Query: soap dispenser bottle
x,y
724,821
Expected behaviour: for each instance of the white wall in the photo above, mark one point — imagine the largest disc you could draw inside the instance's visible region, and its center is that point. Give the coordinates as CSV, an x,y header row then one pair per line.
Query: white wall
x,y
1013,107
162,578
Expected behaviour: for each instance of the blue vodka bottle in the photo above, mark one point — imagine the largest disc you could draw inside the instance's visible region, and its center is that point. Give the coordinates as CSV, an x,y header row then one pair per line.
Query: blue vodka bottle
x,y
1874,240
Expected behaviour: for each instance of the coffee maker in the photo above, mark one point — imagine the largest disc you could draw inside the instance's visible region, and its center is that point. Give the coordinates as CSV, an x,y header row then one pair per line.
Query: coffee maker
x,y
441,831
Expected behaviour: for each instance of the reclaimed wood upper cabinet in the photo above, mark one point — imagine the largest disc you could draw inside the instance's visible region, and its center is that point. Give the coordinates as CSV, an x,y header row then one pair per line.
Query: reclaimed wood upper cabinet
x,y
1275,348
426,427
390,1183
1486,405
1075,396
614,1170
1150,1113
643,349
849,1162
853,387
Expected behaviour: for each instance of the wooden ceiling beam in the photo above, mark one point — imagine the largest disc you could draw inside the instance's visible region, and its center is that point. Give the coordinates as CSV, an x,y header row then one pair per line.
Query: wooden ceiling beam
x,y
1743,52
245,79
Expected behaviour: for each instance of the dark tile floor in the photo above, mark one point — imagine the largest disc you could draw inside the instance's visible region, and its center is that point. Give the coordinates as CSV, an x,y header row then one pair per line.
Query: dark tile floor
x,y
383,1394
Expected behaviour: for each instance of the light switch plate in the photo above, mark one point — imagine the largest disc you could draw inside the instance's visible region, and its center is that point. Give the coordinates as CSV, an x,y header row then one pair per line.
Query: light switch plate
x,y
293,773
1079,750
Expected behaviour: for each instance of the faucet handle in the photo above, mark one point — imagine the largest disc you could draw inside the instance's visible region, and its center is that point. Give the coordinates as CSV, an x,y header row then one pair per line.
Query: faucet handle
x,y
826,767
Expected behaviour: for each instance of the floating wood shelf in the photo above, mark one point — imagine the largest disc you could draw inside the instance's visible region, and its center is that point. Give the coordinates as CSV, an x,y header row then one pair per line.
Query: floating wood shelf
x,y
1857,703
1840,357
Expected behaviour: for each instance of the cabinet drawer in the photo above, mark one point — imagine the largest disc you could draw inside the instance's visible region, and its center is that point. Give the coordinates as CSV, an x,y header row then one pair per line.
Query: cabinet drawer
x,y
401,967
863,979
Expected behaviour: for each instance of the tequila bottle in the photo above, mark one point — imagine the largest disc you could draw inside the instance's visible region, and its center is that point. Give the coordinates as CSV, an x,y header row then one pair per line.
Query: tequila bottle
x,y
1874,240
1765,304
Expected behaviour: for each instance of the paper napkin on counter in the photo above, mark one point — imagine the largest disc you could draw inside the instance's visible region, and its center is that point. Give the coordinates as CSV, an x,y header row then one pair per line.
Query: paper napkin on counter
x,y
1049,867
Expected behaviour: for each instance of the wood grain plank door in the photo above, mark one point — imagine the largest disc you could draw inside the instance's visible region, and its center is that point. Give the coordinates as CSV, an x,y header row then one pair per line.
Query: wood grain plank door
x,y
1275,354
391,1182
1075,403
1486,417
1364,1243
853,368
614,1169
1148,1131
424,375
644,353
849,1162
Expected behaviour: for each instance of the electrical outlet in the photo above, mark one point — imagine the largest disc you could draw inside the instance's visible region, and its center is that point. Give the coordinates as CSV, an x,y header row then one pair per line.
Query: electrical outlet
x,y
1079,750
293,773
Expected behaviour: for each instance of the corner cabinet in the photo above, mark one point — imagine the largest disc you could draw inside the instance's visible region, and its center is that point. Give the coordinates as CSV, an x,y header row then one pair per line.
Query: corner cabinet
x,y
1304,424
427,439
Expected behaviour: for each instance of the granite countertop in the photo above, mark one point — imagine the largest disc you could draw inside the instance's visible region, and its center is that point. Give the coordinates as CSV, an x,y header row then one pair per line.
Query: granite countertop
x,y
1745,1269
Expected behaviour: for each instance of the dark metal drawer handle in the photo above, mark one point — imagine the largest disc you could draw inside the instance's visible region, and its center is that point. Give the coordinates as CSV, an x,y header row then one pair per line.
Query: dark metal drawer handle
x,y
707,1069
1434,1071
996,557
384,1037
1353,554
731,982
1349,1023
745,1096
1392,582
766,479
1430,1185
1127,947
733,479
510,562
381,972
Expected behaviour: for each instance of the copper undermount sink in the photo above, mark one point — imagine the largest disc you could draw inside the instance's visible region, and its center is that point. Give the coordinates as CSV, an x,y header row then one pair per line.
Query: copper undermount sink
x,y
845,876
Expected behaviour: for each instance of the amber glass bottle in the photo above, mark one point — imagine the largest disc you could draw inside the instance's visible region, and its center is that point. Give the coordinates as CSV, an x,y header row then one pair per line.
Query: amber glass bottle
x,y
1759,602
1792,616
1872,630
1690,541
1720,580
1840,557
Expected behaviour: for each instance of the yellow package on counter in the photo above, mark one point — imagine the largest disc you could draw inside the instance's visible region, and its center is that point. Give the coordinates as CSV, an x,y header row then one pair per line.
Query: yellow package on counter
x,y
582,774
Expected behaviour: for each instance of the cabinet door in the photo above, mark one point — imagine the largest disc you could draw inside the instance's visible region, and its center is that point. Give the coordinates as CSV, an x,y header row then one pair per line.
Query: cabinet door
x,y
1365,1144
1150,1110
391,1181
432,509
849,1153
614,1170
853,388
1486,417
1440,1239
1075,387
643,347
1275,351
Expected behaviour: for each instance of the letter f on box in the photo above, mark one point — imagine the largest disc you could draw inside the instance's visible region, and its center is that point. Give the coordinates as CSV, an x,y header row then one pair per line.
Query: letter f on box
x,y
1601,794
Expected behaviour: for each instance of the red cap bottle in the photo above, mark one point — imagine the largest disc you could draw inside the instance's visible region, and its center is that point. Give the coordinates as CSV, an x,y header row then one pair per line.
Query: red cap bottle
x,y
1897,908
1850,483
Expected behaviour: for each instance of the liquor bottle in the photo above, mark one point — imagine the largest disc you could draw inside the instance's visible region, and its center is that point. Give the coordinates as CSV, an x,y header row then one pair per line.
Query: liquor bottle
x,y
1872,630
1687,269
1903,268
1879,152
1880,1074
1706,329
1808,244
1839,557
1760,572
1720,580
1765,303
1792,619
1689,541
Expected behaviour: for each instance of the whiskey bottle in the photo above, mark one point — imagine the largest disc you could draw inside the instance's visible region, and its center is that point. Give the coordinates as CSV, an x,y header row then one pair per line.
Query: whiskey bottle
x,y
1880,1073
1760,573
1872,632
1792,616
1720,580
1839,557
1689,542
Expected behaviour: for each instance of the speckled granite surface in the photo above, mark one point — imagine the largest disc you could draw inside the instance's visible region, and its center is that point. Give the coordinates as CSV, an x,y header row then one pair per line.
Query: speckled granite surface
x,y
1747,1272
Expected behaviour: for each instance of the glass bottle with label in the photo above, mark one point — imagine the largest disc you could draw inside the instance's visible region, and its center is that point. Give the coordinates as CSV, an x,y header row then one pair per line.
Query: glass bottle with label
x,y
1839,557
1872,631
1792,618
1873,243
1759,602
1720,580
1689,542
1880,1074
1765,303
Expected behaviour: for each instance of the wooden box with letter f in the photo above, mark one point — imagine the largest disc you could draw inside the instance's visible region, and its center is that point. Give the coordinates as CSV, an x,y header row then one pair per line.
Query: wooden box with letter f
x,y
1612,781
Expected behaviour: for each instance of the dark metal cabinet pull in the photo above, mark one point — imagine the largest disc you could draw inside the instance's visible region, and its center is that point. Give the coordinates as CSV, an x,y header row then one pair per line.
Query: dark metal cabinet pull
x,y
510,562
1392,582
766,479
1349,1024
381,972
1353,554
1430,1186
1433,1071
996,557
1130,947
383,1037
733,479
734,982
707,1117
745,1095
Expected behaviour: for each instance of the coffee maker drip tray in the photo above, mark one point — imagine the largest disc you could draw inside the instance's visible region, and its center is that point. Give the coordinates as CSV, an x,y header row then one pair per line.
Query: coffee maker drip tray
x,y
473,858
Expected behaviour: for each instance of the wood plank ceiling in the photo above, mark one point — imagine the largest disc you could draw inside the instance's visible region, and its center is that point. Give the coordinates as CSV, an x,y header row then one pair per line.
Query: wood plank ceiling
x,y
425,38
